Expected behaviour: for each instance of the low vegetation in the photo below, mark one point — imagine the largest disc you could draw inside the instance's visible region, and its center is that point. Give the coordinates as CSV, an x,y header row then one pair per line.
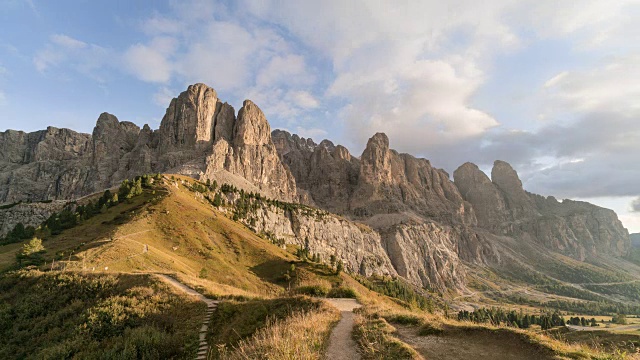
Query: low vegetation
x,y
375,338
399,289
284,328
61,315
75,214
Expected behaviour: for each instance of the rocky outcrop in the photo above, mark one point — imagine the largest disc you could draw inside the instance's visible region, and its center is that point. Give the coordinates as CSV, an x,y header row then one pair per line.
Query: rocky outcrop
x,y
32,214
417,210
327,172
476,188
381,181
189,121
248,152
360,248
198,136
42,165
575,228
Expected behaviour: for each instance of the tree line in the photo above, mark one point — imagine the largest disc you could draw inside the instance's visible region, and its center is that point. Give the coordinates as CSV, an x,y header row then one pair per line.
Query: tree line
x,y
497,316
74,214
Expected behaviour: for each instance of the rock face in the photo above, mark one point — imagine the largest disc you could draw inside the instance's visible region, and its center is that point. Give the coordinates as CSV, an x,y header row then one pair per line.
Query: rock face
x,y
248,152
420,224
359,247
381,181
575,228
198,136
420,215
28,214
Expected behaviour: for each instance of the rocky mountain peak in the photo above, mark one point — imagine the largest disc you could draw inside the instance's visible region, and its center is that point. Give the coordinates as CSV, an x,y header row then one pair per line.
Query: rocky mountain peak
x,y
376,166
252,127
342,153
469,172
475,187
189,119
505,176
106,120
421,223
378,141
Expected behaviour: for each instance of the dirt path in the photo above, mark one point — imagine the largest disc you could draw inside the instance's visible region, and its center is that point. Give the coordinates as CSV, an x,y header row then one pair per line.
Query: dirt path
x,y
341,344
464,345
203,348
602,328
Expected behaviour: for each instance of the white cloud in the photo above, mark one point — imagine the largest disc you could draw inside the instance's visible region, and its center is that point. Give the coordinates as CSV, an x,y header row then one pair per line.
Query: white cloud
x,y
158,24
635,205
592,23
63,51
48,57
611,86
303,99
67,42
240,59
395,68
163,97
288,69
314,133
220,56
151,62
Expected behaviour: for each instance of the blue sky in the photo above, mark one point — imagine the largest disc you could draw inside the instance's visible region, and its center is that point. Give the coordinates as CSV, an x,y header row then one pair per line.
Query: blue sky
x,y
551,87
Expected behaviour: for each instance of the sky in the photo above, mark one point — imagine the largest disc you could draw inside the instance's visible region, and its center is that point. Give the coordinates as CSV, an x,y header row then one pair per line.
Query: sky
x,y
552,87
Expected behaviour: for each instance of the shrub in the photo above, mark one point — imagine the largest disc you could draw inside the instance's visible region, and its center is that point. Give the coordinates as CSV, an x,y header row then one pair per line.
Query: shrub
x,y
404,319
342,292
31,253
312,290
430,329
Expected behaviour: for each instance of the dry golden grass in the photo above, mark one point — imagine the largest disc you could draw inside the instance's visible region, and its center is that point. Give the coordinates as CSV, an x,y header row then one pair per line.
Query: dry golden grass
x,y
376,341
184,235
562,346
304,336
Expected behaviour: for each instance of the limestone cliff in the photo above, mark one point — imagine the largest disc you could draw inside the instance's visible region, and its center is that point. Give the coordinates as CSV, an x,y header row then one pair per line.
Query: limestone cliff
x,y
575,228
31,214
381,181
419,224
198,136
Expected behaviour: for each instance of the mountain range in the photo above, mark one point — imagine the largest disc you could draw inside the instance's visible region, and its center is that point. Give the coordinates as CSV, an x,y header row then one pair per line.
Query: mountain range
x,y
386,213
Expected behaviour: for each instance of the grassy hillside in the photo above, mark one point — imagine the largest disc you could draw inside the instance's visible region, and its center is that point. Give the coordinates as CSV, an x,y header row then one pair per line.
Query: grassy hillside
x,y
170,228
58,315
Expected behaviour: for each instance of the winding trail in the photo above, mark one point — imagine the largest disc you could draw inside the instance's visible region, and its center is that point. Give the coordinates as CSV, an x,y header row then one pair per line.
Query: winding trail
x,y
203,347
341,343
600,328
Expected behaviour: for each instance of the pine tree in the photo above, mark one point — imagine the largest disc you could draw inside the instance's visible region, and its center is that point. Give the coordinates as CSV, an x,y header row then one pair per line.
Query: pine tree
x,y
31,253
217,200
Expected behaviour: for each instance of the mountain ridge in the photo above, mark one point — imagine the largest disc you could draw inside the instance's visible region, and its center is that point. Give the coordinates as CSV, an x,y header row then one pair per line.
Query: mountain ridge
x,y
428,226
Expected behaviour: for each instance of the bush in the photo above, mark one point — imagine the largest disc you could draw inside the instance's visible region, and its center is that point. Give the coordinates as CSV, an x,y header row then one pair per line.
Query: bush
x,y
312,290
430,329
57,315
31,253
342,292
404,319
